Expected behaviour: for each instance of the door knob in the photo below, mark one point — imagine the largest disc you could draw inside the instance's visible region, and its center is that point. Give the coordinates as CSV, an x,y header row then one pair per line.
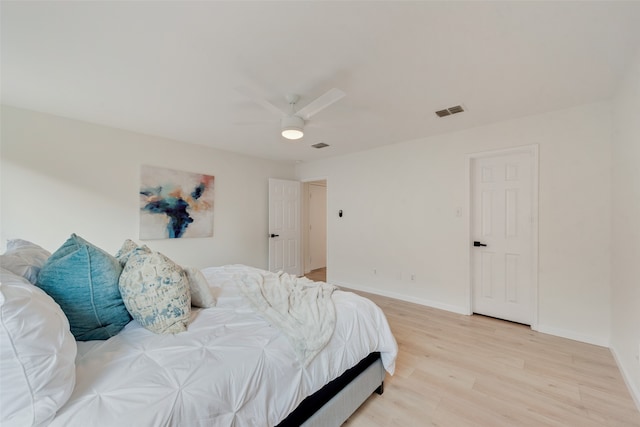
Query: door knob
x,y
476,243
274,235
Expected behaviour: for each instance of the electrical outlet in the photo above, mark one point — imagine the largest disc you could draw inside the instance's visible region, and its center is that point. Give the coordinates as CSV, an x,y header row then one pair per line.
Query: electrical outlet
x,y
413,277
375,271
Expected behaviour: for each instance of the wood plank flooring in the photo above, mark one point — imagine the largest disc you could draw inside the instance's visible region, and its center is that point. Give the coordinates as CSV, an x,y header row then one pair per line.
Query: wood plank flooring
x,y
456,371
319,275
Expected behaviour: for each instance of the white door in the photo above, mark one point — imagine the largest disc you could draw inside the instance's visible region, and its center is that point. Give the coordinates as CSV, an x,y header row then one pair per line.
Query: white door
x,y
317,226
284,226
504,195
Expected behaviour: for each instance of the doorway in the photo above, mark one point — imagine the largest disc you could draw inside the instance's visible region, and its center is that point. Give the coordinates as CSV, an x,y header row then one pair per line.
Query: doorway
x,y
504,234
315,226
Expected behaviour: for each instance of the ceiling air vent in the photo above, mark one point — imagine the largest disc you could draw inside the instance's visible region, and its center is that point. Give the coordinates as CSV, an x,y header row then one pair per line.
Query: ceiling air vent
x,y
320,145
449,111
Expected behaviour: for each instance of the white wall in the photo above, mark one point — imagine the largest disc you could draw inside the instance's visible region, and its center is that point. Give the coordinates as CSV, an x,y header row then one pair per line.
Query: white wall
x,y
61,176
400,204
625,254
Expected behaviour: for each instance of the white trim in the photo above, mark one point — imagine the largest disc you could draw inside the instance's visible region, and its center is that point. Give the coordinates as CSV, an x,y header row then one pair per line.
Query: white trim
x,y
304,247
314,179
533,150
469,288
572,335
635,393
402,297
535,213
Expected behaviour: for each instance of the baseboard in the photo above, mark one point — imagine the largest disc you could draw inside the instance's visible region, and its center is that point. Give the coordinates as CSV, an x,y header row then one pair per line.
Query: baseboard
x,y
402,297
635,393
572,335
564,333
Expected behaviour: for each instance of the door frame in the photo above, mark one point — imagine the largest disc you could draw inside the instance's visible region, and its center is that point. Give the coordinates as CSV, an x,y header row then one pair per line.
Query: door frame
x,y
533,150
305,221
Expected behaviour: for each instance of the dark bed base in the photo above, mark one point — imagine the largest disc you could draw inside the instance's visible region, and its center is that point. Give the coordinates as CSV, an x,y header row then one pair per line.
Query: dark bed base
x,y
313,403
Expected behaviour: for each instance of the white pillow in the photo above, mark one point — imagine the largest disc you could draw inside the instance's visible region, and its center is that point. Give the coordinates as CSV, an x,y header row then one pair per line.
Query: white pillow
x,y
24,259
37,354
155,291
201,295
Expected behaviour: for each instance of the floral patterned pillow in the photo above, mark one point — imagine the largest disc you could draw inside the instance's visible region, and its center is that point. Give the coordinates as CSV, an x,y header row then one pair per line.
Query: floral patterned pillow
x,y
127,249
155,291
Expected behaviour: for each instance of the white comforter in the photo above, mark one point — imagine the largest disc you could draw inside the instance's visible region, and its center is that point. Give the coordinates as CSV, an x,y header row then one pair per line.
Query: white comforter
x,y
229,369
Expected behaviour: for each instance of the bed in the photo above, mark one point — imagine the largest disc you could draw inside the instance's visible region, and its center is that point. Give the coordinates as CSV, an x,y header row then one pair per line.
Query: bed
x,y
230,368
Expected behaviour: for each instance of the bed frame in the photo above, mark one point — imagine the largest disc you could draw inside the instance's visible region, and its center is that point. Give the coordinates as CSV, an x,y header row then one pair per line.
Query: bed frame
x,y
334,403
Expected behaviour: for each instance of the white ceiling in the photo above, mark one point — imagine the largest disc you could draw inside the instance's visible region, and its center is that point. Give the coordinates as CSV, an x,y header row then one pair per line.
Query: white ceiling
x,y
169,68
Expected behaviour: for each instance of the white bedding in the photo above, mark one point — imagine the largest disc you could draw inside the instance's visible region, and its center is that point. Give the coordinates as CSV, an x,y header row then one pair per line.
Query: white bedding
x,y
231,368
302,309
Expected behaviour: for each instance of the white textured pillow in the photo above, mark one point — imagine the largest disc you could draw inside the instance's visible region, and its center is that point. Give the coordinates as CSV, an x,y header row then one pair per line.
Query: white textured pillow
x,y
37,354
155,291
24,259
201,295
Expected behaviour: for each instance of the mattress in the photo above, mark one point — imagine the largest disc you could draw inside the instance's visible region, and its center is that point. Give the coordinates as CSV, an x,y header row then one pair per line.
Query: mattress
x,y
231,368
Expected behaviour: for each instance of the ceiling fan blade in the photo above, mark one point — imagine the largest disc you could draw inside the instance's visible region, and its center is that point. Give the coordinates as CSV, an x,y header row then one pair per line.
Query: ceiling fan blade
x,y
320,103
255,97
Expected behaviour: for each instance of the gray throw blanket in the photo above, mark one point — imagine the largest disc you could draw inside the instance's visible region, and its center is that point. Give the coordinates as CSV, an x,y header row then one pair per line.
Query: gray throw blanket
x,y
303,310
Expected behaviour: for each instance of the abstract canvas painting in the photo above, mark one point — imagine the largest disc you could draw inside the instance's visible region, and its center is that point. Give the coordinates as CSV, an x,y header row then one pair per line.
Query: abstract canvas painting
x,y
175,204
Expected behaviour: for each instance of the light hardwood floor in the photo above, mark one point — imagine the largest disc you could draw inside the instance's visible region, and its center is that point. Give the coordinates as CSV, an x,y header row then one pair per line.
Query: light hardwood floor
x,y
455,371
319,275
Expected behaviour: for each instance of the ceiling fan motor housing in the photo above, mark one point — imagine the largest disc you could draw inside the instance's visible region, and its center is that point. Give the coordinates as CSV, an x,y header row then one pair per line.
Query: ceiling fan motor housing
x,y
292,127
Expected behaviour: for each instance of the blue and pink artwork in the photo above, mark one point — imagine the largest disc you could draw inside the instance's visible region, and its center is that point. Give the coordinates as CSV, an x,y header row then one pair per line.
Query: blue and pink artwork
x,y
175,204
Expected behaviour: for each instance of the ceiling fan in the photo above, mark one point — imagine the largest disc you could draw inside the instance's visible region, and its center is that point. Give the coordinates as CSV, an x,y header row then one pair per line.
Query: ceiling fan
x,y
292,122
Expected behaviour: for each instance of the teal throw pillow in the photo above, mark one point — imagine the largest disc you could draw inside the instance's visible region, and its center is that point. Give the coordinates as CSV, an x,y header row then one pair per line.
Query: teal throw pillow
x,y
83,280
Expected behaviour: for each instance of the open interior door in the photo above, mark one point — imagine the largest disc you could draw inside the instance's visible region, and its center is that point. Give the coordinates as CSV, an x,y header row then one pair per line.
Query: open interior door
x,y
284,226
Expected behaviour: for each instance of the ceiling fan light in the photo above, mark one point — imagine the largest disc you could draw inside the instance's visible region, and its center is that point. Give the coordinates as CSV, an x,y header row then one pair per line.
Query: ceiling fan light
x,y
292,133
292,127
